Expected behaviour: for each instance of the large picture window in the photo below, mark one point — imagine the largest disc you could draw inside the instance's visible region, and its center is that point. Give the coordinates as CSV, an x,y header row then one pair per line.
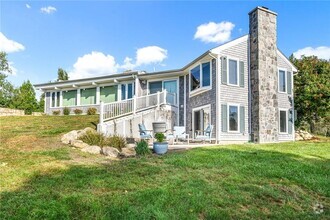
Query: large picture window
x,y
281,81
283,121
69,98
233,117
233,72
200,76
88,96
108,94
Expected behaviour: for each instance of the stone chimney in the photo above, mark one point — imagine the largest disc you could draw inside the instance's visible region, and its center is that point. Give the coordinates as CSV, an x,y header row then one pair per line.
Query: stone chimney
x,y
263,75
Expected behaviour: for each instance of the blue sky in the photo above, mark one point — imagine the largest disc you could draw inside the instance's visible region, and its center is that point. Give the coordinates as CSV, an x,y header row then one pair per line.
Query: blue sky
x,y
89,38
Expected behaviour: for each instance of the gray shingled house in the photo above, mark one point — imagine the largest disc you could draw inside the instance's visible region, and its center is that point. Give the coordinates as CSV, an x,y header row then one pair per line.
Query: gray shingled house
x,y
243,88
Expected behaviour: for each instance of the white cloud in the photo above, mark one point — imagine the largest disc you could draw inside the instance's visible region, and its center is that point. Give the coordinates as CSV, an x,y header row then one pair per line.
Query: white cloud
x,y
27,6
146,56
9,46
214,32
320,52
93,64
48,10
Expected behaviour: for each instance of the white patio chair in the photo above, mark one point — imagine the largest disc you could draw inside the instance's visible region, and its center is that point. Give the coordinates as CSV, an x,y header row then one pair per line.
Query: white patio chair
x,y
206,134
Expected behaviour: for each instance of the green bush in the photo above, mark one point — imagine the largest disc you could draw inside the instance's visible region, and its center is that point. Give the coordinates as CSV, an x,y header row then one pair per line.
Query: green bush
x,y
94,138
77,111
142,148
116,141
56,112
91,111
160,137
66,111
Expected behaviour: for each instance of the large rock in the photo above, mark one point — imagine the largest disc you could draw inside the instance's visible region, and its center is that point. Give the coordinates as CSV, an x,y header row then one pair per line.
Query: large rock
x,y
110,151
303,135
298,137
92,149
68,137
79,144
128,152
84,131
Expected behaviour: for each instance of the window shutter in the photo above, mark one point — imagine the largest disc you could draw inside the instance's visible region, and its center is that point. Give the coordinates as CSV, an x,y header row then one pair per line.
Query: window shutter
x,y
224,70
242,119
290,121
289,80
224,118
241,73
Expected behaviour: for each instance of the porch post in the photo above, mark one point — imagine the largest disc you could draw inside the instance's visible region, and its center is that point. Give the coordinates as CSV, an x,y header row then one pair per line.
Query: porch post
x,y
97,95
78,97
61,98
165,92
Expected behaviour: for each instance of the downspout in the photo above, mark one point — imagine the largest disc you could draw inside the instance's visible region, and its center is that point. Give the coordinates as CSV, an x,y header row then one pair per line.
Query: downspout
x,y
216,97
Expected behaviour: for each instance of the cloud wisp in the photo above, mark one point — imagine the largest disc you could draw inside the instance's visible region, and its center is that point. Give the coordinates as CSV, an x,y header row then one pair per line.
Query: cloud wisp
x,y
27,6
9,46
322,52
48,10
214,32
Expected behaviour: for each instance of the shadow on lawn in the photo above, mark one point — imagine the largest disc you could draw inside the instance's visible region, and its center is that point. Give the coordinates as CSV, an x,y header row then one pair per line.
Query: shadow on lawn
x,y
201,183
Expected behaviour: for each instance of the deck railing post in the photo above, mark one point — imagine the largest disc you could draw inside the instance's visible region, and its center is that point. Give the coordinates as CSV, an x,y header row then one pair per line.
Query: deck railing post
x,y
134,104
158,99
101,113
165,92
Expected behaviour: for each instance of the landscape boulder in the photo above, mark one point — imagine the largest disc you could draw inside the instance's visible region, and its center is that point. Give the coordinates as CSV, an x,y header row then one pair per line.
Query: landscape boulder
x,y
68,137
110,151
78,144
303,135
128,152
84,131
92,149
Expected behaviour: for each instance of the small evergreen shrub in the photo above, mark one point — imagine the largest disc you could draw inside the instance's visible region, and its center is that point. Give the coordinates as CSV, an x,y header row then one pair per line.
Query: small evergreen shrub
x,y
66,111
77,111
142,148
91,111
94,138
160,137
56,112
116,141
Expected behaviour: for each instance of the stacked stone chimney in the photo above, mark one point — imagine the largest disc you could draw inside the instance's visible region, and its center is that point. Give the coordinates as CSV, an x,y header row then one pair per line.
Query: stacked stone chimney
x,y
263,75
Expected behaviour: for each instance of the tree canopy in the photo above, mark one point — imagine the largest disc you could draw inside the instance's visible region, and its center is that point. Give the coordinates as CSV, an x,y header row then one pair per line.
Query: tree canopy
x,y
312,89
62,74
25,98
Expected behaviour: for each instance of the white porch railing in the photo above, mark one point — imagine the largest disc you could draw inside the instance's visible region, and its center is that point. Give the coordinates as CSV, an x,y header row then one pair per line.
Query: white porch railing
x,y
136,104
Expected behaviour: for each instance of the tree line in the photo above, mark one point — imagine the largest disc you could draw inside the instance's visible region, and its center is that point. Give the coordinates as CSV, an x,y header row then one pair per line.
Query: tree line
x,y
24,96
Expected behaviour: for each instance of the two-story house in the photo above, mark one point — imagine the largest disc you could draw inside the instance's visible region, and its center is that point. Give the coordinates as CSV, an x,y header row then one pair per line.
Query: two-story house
x,y
244,88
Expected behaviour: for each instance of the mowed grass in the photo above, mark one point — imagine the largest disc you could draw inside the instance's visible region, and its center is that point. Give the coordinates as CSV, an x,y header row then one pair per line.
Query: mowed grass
x,y
40,178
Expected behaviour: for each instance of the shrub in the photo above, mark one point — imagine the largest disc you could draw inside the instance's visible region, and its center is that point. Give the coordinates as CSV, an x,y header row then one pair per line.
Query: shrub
x,y
94,138
77,111
160,137
66,111
91,111
142,148
56,112
116,141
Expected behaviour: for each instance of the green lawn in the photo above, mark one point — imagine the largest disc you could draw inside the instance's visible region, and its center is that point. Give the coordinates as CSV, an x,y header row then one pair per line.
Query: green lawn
x,y
40,178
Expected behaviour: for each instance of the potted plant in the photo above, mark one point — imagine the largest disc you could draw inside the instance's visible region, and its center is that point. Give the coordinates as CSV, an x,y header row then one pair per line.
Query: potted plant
x,y
160,147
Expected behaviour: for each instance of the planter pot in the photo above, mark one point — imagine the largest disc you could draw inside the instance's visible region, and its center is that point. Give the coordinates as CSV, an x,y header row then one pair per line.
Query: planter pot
x,y
160,147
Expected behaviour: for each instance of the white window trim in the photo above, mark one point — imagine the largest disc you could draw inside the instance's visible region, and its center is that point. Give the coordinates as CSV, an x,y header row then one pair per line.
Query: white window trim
x,y
55,101
286,80
238,117
193,118
286,120
126,90
202,88
237,61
